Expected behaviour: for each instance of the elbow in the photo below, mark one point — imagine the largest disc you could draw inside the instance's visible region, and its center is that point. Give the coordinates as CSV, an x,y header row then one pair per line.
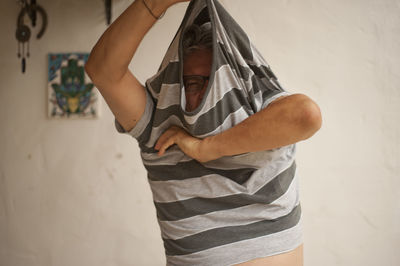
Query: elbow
x,y
87,67
101,75
93,62
89,70
311,118
89,63
93,68
98,75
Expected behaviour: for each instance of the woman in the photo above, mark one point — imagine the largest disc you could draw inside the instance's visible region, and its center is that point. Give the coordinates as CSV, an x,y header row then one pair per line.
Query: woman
x,y
129,101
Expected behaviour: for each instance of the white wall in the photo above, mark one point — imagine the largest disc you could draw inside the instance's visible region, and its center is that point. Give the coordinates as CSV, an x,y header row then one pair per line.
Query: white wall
x,y
76,193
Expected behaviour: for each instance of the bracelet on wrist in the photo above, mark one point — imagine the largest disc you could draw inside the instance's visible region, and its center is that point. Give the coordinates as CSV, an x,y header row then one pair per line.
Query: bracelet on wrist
x,y
151,12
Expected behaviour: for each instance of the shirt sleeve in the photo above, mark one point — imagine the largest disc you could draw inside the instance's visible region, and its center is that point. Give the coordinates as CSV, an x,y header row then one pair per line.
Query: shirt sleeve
x,y
139,129
269,100
265,89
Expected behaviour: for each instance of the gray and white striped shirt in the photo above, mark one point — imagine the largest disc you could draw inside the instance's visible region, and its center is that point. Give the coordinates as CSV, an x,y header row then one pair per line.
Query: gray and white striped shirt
x,y
235,208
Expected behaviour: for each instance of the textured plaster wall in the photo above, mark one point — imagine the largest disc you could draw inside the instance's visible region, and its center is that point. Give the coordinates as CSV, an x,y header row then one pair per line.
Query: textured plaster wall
x,y
76,193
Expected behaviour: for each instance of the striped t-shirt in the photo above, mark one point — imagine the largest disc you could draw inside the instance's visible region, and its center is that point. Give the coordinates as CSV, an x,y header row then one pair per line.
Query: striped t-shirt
x,y
235,208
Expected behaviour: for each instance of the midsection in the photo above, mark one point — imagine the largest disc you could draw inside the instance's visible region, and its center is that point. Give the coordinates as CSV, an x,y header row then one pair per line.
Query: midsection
x,y
291,258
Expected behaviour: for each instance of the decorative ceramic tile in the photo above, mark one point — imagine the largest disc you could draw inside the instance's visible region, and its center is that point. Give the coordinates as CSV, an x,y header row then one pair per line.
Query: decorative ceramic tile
x,y
71,94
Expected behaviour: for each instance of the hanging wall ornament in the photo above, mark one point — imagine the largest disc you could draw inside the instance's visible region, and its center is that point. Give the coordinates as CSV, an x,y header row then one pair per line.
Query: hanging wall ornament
x,y
23,32
108,5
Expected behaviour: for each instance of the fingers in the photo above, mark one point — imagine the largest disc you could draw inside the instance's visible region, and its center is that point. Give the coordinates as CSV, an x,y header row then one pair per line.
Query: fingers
x,y
164,146
166,140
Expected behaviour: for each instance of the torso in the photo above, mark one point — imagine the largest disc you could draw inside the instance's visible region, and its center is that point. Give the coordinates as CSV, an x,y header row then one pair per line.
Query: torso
x,y
251,160
292,258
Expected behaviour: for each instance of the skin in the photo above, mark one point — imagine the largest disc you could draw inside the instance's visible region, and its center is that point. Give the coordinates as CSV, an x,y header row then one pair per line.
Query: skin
x,y
197,63
291,258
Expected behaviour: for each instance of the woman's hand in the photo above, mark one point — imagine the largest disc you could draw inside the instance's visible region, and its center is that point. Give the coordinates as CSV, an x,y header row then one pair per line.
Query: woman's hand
x,y
191,146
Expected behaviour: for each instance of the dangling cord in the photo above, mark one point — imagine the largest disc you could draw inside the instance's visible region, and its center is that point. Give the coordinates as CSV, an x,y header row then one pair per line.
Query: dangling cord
x,y
19,50
23,58
23,65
